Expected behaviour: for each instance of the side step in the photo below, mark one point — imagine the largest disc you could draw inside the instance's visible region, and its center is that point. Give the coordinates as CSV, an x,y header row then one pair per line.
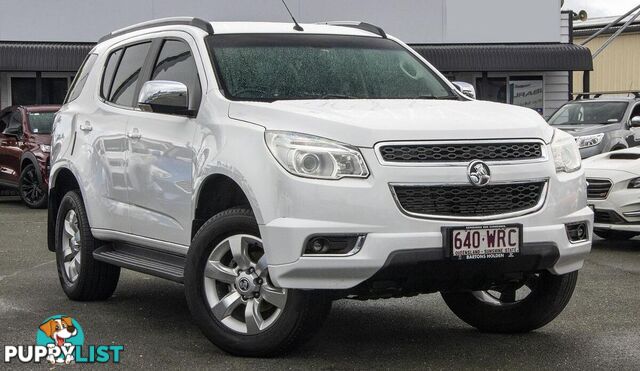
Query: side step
x,y
142,259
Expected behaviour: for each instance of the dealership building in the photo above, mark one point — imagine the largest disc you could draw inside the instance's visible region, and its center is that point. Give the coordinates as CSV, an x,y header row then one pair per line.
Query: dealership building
x,y
513,51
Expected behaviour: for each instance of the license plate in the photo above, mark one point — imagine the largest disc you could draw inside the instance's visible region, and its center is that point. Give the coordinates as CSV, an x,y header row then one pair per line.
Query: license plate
x,y
483,242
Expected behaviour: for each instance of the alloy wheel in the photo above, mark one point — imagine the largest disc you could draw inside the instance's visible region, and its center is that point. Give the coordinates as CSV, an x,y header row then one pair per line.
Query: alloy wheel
x,y
71,244
237,286
31,190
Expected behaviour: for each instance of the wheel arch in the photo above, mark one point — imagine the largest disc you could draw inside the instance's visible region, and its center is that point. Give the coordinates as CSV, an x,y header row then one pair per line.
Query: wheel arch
x,y
28,158
216,193
61,181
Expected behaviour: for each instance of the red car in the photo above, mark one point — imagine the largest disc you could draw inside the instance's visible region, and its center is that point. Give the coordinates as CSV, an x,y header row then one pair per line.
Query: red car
x,y
25,144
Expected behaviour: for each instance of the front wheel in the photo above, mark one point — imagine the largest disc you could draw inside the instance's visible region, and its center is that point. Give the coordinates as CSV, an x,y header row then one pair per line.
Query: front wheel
x,y
32,191
232,297
515,307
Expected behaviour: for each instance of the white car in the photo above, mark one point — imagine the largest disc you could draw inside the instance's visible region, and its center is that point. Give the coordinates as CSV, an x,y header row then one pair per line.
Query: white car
x,y
273,169
613,190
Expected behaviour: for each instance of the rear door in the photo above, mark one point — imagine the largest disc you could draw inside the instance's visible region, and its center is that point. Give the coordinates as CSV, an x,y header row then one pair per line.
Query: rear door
x,y
103,133
160,164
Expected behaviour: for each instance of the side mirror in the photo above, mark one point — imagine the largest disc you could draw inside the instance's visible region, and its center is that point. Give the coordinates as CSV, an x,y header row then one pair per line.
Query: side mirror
x,y
168,97
465,88
635,122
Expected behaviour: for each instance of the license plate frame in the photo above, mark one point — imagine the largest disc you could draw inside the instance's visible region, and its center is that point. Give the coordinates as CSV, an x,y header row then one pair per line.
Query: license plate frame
x,y
448,245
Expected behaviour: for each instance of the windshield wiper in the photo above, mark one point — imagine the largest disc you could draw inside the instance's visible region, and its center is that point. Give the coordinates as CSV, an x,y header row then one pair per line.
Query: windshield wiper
x,y
433,97
338,96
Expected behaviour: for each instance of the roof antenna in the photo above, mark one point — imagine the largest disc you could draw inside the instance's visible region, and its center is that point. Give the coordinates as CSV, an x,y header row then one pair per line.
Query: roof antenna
x,y
297,27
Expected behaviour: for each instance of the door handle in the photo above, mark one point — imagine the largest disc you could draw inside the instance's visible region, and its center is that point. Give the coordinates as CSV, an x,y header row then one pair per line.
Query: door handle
x,y
86,126
134,134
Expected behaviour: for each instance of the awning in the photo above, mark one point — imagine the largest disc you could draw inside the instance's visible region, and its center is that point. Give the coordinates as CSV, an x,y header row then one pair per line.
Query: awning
x,y
42,56
63,56
506,57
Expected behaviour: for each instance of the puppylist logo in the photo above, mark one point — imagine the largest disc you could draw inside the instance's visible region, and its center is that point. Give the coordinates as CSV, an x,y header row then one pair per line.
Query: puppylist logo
x,y
60,340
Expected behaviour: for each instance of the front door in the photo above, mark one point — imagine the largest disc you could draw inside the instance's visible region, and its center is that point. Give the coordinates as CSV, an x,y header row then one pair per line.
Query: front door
x,y
634,139
10,148
160,162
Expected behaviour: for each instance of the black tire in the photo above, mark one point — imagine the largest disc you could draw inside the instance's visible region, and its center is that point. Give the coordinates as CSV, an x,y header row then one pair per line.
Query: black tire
x,y
302,316
544,303
608,234
95,280
32,191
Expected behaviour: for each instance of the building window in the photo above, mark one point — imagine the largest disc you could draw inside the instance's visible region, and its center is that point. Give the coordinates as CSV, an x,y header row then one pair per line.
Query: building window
x,y
54,89
493,89
33,90
527,91
23,91
524,91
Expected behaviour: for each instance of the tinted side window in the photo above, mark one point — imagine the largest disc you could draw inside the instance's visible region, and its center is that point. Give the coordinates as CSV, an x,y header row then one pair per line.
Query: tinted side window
x,y
15,124
81,78
176,63
126,78
109,70
4,121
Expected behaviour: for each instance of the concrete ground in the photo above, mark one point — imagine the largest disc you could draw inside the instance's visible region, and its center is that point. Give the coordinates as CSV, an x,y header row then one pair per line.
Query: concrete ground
x,y
600,329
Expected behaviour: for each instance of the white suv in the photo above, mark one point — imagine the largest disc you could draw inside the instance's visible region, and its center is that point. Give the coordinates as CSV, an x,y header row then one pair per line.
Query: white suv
x,y
273,170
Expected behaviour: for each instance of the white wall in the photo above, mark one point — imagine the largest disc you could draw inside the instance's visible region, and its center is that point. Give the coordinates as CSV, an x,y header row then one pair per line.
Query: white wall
x,y
415,21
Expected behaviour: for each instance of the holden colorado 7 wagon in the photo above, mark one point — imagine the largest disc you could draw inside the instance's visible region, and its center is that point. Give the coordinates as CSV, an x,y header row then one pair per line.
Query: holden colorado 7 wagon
x,y
274,169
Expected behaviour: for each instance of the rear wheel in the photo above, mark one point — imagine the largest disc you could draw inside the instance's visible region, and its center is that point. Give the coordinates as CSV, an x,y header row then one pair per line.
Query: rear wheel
x,y
608,234
32,191
232,297
514,308
82,278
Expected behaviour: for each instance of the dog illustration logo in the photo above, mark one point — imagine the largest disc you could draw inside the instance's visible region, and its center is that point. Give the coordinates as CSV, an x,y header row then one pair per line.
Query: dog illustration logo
x,y
59,330
61,334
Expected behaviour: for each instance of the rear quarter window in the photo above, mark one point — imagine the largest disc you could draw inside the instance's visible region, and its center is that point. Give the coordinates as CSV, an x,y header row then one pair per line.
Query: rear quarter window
x,y
81,78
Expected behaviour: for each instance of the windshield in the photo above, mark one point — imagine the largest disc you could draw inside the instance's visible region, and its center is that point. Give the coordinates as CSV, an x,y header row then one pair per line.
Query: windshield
x,y
268,67
41,122
584,113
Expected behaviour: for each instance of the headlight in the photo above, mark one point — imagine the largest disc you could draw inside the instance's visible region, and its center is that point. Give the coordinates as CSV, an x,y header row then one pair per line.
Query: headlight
x,y
634,183
314,157
589,140
565,152
45,148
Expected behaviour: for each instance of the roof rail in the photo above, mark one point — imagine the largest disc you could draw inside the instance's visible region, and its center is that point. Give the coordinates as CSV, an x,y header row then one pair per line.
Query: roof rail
x,y
598,94
359,25
183,21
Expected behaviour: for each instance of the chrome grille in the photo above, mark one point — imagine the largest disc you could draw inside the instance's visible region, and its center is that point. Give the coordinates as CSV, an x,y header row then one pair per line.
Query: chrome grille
x,y
468,201
461,152
598,189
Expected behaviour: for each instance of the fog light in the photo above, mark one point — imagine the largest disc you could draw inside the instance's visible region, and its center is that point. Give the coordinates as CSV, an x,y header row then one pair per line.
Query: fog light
x,y
319,246
577,232
343,245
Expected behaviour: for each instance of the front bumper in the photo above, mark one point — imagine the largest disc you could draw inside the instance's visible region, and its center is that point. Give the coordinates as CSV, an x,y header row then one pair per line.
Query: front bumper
x,y
620,210
350,206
